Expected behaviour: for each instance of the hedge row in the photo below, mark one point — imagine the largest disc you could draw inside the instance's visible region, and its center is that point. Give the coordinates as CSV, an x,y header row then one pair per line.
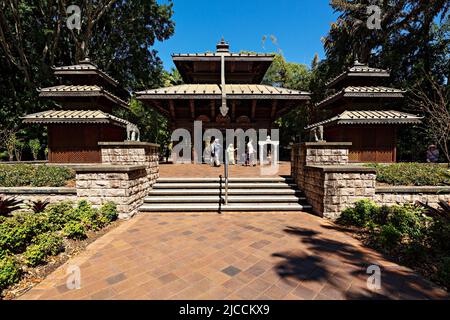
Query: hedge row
x,y
27,175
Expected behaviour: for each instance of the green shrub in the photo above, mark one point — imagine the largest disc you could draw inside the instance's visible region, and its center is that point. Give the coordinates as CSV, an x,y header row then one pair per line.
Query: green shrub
x,y
444,271
44,245
408,220
439,233
362,213
109,211
9,272
389,237
22,175
417,174
58,214
74,230
50,176
35,147
18,231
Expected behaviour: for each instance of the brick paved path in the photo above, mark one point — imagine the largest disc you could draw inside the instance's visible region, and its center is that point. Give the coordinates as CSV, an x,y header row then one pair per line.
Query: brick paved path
x,y
233,256
207,171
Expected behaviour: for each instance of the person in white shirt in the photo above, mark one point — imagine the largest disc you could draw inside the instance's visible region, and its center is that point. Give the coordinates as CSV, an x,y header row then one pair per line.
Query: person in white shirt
x,y
251,153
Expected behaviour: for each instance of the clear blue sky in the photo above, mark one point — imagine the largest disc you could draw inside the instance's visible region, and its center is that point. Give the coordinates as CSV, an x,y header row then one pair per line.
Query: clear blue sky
x,y
298,26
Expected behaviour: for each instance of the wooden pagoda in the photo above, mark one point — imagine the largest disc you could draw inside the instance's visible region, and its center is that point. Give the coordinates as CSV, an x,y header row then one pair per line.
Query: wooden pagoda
x,y
87,97
362,111
209,78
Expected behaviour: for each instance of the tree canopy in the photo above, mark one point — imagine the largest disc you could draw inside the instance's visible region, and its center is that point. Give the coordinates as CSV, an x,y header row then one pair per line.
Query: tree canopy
x,y
117,35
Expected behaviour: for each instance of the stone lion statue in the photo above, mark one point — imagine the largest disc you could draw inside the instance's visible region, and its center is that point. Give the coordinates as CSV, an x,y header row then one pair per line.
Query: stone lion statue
x,y
316,134
133,133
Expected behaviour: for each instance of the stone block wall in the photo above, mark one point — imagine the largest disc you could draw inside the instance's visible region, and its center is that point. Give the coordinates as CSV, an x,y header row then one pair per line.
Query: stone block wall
x,y
330,185
133,153
404,195
43,193
127,186
332,189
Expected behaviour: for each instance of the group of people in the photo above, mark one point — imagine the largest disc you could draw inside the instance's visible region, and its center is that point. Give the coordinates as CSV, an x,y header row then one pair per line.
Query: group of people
x,y
216,149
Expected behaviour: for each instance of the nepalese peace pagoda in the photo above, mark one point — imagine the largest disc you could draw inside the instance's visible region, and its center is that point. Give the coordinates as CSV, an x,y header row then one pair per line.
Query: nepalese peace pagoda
x,y
223,90
87,97
362,111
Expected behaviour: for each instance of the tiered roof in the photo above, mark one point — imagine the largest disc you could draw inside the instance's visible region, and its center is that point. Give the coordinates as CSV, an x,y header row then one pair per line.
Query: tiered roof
x,y
360,84
87,96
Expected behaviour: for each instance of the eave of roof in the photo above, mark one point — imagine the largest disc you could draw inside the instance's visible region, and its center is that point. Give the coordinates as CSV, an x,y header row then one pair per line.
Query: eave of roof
x,y
81,91
85,68
358,70
233,91
363,92
74,116
366,117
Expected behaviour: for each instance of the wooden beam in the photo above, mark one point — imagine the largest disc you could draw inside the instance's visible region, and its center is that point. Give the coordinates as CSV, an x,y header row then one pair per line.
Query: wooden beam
x,y
274,109
172,108
192,106
157,105
233,110
213,110
253,110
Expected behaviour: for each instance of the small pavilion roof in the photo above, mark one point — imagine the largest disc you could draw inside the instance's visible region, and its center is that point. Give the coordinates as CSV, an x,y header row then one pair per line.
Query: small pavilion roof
x,y
363,92
239,67
214,91
370,117
80,91
358,70
85,67
74,116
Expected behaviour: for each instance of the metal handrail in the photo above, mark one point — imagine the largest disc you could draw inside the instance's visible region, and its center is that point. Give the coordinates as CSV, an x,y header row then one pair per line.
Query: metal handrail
x,y
226,178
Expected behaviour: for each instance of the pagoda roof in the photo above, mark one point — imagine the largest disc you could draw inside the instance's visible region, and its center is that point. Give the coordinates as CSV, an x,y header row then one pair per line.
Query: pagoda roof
x,y
363,92
74,116
239,67
85,67
214,91
81,91
358,70
370,117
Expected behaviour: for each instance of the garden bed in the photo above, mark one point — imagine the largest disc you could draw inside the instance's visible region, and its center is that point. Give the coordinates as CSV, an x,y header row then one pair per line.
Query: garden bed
x,y
412,235
411,174
28,175
33,244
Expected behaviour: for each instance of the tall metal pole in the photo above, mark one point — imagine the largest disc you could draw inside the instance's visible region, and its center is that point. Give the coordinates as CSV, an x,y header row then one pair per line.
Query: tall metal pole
x,y
224,111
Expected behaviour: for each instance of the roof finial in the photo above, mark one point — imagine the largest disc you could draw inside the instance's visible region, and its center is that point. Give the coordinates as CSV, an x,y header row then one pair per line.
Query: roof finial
x,y
222,46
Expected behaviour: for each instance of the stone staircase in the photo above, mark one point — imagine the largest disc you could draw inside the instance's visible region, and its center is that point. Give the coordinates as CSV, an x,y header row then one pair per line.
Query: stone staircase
x,y
244,194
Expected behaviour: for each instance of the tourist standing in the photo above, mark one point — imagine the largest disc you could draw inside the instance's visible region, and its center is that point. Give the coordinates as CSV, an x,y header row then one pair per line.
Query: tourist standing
x,y
230,153
251,153
215,152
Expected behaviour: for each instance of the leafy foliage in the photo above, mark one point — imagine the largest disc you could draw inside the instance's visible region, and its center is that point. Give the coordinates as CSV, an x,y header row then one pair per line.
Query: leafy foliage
x,y
38,206
75,230
9,272
44,245
109,211
35,147
412,174
9,205
406,231
118,35
21,175
33,237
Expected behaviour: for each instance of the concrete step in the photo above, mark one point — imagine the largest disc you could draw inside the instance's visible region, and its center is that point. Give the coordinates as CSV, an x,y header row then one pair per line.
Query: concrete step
x,y
217,180
213,185
231,199
232,191
249,207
